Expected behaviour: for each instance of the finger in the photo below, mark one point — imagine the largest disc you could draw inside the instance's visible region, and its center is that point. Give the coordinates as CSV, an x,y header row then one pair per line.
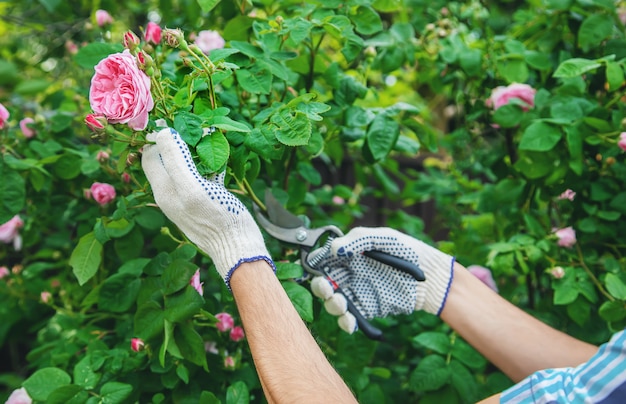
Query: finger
x,y
347,322
177,159
336,304
163,188
321,287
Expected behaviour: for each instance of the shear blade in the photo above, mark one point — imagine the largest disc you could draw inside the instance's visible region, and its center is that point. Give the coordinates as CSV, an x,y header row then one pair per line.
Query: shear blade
x,y
278,215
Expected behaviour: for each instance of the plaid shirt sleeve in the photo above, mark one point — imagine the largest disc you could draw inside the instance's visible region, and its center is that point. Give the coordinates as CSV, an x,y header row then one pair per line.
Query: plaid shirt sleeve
x,y
601,380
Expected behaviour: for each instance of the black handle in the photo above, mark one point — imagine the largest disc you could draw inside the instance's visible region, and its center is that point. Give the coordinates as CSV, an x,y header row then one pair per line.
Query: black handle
x,y
369,330
396,262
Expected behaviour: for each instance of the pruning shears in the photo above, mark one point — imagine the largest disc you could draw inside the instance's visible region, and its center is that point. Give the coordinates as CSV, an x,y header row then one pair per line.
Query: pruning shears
x,y
285,226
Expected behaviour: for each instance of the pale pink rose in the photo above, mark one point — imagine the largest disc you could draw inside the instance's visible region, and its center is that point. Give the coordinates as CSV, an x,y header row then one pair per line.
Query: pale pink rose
x,y
484,275
209,40
566,236
102,193
502,95
25,126
136,344
153,33
103,18
195,282
120,91
4,271
71,47
621,143
19,396
229,362
567,194
45,296
237,334
9,232
102,156
225,322
337,200
4,116
557,272
211,347
126,178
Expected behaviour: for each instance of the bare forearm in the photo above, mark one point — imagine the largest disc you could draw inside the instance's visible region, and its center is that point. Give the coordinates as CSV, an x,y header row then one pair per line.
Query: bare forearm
x,y
290,364
511,339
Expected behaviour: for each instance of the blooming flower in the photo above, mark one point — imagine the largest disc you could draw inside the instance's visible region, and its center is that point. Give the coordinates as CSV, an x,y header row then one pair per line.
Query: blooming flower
x,y
567,194
103,18
337,200
120,91
566,236
208,40
25,127
195,282
9,232
102,193
484,274
4,116
237,334
557,272
136,344
501,96
225,321
621,142
45,296
153,33
229,362
19,396
4,271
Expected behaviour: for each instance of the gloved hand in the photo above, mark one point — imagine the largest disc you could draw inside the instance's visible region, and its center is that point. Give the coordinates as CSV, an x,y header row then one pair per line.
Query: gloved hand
x,y
209,215
376,289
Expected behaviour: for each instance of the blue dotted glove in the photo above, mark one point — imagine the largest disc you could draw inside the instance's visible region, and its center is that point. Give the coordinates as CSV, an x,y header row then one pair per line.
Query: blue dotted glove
x,y
209,215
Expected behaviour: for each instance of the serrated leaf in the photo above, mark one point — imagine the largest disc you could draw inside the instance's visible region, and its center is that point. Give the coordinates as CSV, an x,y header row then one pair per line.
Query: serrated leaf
x,y
431,373
301,299
382,136
214,151
288,270
189,127
540,136
208,5
191,344
177,275
293,127
115,392
237,393
615,286
435,341
86,258
12,192
225,123
89,55
575,67
44,381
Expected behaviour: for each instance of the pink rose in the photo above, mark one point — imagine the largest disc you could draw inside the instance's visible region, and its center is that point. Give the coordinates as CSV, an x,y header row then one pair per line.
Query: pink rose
x,y
566,236
195,282
337,200
209,40
502,95
229,362
4,116
4,271
103,18
102,193
102,156
567,194
25,126
621,142
120,91
97,123
71,47
45,296
126,178
153,33
557,272
484,275
136,344
130,40
19,396
225,322
9,232
237,334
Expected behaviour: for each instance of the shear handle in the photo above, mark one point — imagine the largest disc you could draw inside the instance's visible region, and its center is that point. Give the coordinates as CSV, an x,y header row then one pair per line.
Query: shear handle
x,y
368,329
396,262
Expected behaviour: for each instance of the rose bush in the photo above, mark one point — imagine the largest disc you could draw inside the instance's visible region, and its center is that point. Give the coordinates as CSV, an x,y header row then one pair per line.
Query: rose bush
x,y
346,112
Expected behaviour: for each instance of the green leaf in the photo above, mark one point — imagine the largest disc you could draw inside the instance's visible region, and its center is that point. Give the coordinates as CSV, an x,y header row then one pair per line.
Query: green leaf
x,y
382,136
575,67
594,29
207,397
463,381
177,275
189,127
208,5
431,374
191,344
540,136
44,381
32,86
508,116
301,299
288,270
225,123
12,192
115,392
264,143
613,310
182,372
466,354
149,320
213,151
183,305
367,21
89,55
86,258
257,81
68,394
118,293
564,293
237,393
434,341
293,127
118,228
84,375
615,286
471,61
614,75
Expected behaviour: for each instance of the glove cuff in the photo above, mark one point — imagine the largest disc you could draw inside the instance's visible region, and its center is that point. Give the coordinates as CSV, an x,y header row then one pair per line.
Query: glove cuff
x,y
438,268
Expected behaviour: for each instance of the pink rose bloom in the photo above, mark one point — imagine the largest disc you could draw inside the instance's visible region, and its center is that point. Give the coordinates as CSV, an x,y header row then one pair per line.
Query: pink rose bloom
x,y
136,344
209,40
71,47
126,178
557,272
102,193
229,362
45,296
9,232
4,116
337,200
567,194
19,396
195,282
621,142
484,275
4,271
225,321
96,123
566,236
103,18
153,33
502,95
120,91
237,334
25,127
102,156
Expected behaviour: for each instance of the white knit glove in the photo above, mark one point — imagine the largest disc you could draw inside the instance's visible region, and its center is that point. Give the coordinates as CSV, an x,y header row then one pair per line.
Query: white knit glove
x,y
376,289
209,215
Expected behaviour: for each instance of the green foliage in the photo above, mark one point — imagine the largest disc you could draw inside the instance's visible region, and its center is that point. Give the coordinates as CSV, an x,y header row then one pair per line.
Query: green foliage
x,y
390,98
